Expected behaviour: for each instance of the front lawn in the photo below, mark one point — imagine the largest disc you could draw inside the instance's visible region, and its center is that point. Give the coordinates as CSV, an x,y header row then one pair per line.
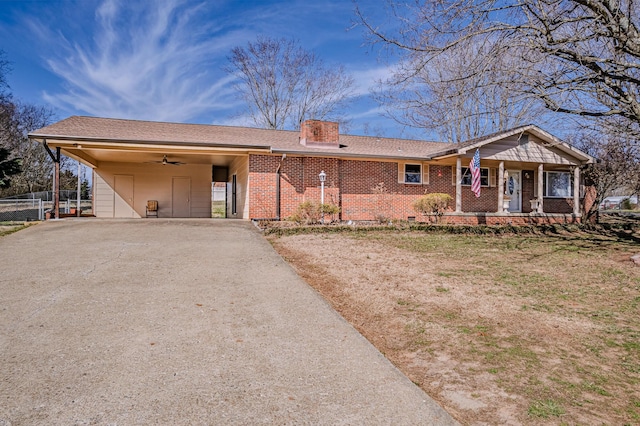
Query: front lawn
x,y
500,329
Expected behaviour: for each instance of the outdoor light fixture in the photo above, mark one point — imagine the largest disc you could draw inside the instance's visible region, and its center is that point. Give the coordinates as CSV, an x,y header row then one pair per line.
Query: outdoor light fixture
x,y
322,176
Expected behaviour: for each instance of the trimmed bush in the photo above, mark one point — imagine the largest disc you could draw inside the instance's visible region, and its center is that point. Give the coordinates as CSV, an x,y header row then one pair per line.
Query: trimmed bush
x,y
310,212
432,204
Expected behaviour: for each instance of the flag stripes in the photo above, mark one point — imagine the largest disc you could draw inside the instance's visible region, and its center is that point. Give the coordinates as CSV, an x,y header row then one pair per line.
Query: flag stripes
x,y
474,167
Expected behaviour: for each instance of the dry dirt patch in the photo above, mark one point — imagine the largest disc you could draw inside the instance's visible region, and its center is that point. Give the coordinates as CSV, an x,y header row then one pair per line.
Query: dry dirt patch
x,y
498,329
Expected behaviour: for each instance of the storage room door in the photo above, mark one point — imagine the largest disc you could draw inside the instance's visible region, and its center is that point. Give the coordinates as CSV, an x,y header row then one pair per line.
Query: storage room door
x,y
123,197
181,197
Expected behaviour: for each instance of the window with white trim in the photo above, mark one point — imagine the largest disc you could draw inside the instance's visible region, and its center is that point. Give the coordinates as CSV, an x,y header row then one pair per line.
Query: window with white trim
x,y
466,176
558,185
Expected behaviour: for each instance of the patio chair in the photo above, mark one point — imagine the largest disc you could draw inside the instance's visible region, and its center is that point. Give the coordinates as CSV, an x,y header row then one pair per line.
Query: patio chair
x,y
152,208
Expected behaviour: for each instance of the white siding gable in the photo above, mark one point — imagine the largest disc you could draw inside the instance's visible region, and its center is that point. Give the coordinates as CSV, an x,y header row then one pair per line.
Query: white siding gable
x,y
527,149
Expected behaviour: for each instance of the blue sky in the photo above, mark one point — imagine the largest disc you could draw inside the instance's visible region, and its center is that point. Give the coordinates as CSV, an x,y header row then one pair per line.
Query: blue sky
x,y
163,59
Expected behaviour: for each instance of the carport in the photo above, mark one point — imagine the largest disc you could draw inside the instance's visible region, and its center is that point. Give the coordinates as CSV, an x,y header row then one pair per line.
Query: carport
x,y
137,161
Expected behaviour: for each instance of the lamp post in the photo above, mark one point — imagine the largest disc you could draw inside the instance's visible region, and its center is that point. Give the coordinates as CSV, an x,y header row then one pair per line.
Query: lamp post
x,y
322,176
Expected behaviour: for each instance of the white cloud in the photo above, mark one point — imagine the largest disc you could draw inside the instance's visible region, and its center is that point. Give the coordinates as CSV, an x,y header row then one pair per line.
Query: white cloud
x,y
150,60
367,79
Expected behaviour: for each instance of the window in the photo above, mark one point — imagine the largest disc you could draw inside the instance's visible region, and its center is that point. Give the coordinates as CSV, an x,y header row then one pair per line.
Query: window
x,y
484,176
412,173
558,184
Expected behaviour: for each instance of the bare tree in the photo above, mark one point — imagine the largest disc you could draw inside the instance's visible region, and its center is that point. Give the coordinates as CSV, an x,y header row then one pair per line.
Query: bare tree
x,y
5,67
8,167
578,57
449,96
282,84
618,165
16,121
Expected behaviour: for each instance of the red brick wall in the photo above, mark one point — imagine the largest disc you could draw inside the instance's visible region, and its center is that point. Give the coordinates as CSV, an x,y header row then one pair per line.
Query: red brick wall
x,y
508,219
558,205
351,185
262,185
362,201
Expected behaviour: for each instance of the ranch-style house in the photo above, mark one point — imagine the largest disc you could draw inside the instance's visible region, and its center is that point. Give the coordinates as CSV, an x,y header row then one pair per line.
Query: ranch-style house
x,y
527,175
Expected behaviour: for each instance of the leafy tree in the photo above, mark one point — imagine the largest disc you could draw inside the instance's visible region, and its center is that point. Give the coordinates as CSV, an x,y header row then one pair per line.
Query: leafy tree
x,y
282,84
580,57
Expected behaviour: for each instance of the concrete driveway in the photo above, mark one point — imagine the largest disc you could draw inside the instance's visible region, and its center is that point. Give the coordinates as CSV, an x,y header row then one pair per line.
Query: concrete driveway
x,y
180,322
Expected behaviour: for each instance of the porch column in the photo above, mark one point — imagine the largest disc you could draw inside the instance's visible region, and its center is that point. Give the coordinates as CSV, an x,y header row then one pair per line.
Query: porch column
x,y
540,188
458,185
576,191
501,187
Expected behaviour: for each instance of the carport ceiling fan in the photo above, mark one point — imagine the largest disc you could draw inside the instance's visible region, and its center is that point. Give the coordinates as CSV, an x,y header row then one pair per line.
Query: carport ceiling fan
x,y
166,161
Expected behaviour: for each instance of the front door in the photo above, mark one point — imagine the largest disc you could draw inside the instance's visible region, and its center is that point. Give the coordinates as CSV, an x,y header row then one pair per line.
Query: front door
x,y
513,190
181,197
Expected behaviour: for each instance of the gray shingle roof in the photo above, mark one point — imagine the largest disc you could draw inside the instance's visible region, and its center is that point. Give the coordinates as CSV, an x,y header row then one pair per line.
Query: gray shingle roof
x,y
79,128
134,131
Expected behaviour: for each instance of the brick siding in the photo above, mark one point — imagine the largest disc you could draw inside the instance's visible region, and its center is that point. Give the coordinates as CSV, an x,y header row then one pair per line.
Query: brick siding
x,y
558,205
369,190
506,219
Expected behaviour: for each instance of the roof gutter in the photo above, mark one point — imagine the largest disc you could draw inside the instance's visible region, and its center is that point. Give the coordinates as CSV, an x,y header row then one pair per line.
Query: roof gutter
x,y
36,137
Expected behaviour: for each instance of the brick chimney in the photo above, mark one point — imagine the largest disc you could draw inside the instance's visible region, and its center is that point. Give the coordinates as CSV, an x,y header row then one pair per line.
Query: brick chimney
x,y
319,134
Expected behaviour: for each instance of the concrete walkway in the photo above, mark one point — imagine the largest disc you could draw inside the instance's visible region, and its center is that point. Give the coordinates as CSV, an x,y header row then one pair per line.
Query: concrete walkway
x,y
180,322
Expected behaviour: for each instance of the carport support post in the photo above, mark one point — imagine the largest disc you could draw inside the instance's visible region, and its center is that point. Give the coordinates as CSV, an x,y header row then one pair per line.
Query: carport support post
x,y
56,179
79,193
56,185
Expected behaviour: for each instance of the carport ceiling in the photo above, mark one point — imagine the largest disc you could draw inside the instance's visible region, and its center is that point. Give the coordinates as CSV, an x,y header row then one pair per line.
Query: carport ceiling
x,y
130,156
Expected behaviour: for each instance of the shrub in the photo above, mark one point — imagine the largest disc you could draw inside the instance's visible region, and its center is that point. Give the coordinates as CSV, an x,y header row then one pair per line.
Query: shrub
x,y
432,204
310,212
384,203
626,204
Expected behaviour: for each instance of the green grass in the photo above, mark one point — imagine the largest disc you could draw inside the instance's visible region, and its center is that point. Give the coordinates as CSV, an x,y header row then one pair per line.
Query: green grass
x,y
218,209
545,409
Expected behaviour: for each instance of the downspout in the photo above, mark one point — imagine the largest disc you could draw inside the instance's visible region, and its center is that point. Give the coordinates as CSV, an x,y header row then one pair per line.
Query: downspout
x,y
56,178
278,176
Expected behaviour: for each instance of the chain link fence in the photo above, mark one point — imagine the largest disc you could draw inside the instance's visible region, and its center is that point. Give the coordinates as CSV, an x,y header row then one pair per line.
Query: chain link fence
x,y
21,210
30,209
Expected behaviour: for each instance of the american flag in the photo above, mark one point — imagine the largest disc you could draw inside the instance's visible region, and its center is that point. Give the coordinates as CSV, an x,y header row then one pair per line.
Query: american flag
x,y
474,167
